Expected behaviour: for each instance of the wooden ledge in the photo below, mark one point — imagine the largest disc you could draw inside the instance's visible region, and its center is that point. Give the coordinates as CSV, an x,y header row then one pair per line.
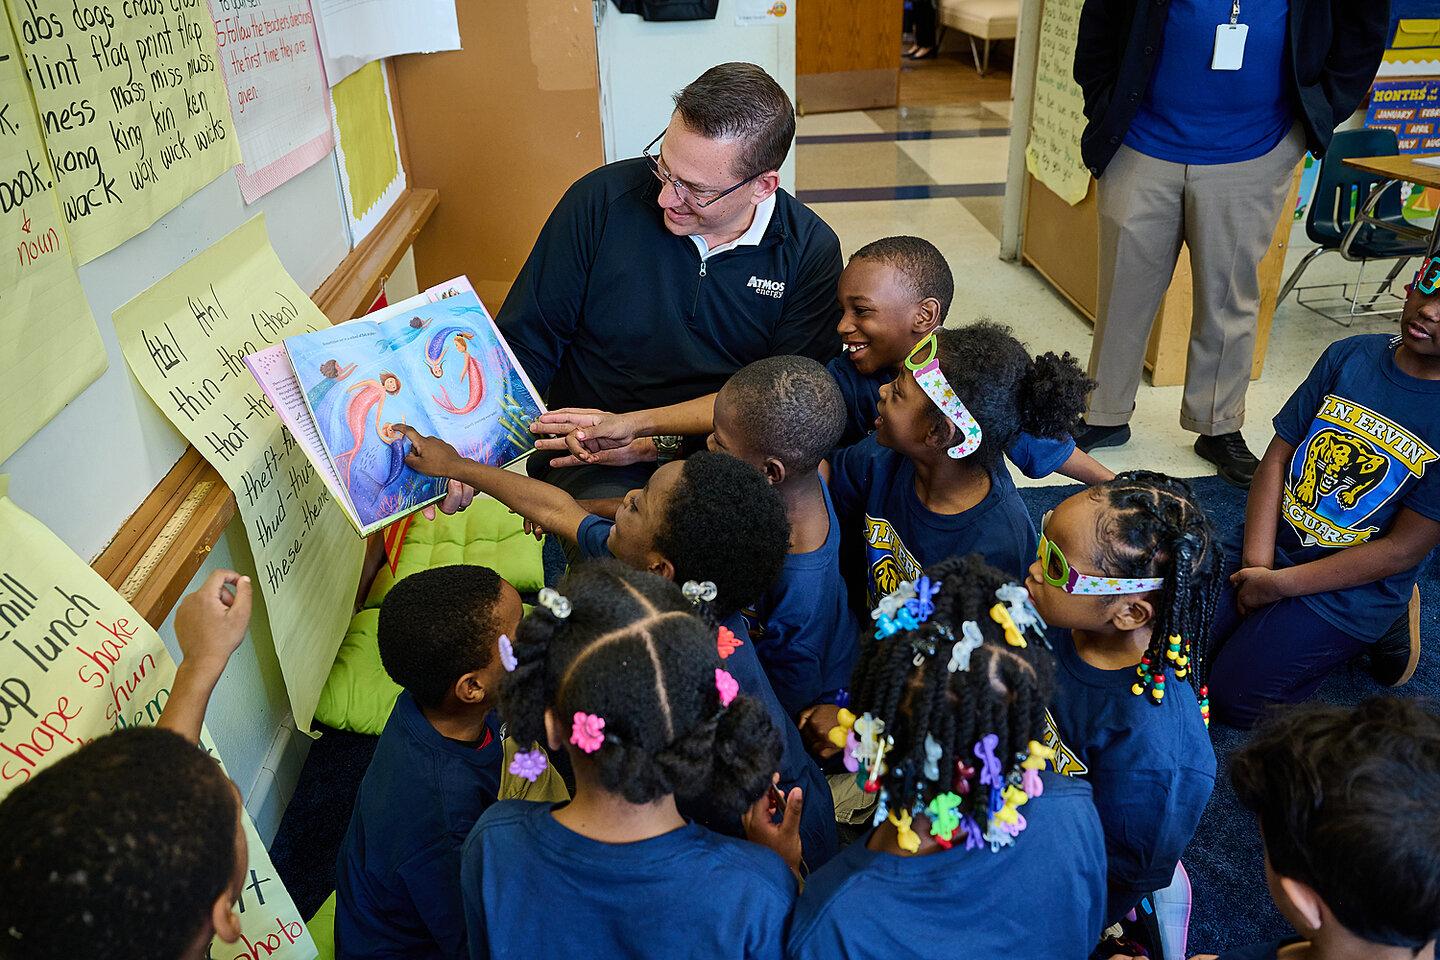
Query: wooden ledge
x,y
157,551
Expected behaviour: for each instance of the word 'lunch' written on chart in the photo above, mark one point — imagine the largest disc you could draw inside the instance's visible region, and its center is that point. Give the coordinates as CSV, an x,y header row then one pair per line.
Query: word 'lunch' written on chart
x,y
78,663
184,340
132,106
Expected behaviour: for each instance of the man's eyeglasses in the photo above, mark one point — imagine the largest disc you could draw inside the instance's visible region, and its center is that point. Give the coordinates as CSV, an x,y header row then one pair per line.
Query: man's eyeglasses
x,y
699,199
1058,573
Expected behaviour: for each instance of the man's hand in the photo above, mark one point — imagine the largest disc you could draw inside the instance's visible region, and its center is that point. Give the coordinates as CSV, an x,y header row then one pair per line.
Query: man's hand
x,y
782,837
584,433
640,451
1257,587
457,497
430,455
815,725
211,622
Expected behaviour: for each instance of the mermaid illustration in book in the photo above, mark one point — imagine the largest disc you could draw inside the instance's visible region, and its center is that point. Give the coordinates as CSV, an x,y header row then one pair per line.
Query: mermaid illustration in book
x,y
440,367
471,375
371,395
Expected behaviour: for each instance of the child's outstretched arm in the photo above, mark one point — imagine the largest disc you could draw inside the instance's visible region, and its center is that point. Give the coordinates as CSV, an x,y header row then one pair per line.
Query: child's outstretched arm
x,y
597,437
1412,536
209,625
536,501
1085,468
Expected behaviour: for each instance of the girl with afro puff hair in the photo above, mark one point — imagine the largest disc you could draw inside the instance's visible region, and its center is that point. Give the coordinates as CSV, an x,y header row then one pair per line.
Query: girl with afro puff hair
x,y
710,522
616,669
931,482
975,851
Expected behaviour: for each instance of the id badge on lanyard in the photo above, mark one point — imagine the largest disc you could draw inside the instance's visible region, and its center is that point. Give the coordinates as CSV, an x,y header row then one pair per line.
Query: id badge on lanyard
x,y
1230,42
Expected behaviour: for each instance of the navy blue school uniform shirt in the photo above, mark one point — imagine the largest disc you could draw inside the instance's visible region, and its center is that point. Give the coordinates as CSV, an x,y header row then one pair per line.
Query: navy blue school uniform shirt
x,y
1243,114
797,767
1035,456
1259,951
398,874
804,632
902,537
1040,897
611,310
1366,436
1150,765
535,889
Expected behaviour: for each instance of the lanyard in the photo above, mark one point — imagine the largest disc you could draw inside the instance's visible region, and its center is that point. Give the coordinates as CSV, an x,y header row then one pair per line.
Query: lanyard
x,y
1234,11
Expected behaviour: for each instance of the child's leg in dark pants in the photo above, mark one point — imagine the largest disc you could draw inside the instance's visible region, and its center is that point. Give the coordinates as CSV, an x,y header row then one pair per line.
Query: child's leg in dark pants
x,y
1278,654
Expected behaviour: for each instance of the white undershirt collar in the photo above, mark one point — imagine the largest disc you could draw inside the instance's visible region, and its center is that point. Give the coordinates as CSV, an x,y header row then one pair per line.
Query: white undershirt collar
x,y
764,210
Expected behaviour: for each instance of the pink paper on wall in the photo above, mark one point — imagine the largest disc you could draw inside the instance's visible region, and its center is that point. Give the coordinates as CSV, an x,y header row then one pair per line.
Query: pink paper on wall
x,y
270,58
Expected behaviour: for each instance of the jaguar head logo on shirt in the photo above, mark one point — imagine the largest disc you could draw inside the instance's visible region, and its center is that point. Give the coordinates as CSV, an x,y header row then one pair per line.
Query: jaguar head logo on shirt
x,y
1341,464
1351,464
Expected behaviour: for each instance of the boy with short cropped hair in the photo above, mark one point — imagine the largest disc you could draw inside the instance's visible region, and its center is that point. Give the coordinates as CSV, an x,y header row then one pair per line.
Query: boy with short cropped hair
x,y
443,636
783,415
1349,807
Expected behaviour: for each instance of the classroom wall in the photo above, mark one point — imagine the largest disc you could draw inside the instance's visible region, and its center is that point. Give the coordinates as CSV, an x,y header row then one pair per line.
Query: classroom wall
x,y
501,154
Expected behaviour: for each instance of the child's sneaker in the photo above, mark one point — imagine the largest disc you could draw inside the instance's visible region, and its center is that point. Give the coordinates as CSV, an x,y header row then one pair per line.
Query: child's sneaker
x,y
1393,658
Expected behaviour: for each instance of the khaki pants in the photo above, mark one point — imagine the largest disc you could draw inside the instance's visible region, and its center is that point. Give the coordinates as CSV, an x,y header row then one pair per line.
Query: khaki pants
x,y
1226,214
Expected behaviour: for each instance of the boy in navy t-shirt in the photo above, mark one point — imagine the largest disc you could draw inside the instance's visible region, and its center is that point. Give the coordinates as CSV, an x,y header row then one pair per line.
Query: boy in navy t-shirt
x,y
782,416
895,292
444,636
1348,801
1343,510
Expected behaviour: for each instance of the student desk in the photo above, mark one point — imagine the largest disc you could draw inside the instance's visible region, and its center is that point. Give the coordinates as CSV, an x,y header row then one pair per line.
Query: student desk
x,y
1394,169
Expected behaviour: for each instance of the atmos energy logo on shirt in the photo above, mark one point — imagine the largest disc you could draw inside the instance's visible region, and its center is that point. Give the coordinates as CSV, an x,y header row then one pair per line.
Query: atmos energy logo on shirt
x,y
767,288
1352,462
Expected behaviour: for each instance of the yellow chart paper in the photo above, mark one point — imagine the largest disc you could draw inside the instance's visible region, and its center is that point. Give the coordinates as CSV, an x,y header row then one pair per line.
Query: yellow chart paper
x,y
184,339
1053,153
77,662
366,144
135,115
52,350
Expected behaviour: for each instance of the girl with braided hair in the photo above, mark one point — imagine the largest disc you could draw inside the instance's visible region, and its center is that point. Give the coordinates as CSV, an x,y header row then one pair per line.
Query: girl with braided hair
x,y
972,839
616,670
1127,575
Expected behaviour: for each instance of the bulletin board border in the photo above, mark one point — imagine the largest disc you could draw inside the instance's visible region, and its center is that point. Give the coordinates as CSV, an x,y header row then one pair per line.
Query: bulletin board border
x,y
157,551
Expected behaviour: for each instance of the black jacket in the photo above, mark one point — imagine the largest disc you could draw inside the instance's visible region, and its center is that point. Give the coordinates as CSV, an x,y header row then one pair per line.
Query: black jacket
x,y
1335,49
613,311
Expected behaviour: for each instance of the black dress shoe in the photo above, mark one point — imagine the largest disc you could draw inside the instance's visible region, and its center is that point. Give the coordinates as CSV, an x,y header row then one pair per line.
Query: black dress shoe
x,y
1090,438
1233,460
1392,658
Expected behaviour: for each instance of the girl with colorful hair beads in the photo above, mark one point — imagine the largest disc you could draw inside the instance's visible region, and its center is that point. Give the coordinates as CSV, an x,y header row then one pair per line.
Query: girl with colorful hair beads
x,y
615,669
976,850
931,481
1127,577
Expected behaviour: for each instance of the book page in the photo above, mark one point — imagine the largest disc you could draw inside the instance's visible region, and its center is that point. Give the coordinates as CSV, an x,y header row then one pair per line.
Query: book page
x,y
358,393
271,369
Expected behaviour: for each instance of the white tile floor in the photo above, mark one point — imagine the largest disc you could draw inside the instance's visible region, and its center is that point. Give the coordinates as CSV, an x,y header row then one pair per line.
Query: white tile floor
x,y
1020,297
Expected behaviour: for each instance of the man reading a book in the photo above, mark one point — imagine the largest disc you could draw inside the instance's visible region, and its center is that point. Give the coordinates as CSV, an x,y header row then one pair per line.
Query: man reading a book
x,y
655,279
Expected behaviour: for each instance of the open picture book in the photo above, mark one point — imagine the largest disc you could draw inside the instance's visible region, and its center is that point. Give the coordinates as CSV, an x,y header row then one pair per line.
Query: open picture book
x,y
435,362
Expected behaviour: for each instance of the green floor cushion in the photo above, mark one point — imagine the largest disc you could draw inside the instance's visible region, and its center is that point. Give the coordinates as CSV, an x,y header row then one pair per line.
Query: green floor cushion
x,y
358,695
322,929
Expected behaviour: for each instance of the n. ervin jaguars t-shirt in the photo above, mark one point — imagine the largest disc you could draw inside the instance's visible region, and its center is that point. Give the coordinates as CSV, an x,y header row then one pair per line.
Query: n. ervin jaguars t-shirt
x,y
903,537
1366,436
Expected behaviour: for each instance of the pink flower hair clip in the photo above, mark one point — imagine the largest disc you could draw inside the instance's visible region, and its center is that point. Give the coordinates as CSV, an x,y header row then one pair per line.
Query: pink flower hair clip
x,y
587,731
529,764
727,686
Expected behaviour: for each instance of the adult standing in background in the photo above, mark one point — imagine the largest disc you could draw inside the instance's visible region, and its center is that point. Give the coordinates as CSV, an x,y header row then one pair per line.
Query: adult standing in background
x,y
655,279
1198,112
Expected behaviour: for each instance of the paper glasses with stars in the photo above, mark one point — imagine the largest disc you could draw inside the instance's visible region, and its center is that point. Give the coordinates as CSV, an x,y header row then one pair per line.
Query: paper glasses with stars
x,y
1427,280
1058,573
923,362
